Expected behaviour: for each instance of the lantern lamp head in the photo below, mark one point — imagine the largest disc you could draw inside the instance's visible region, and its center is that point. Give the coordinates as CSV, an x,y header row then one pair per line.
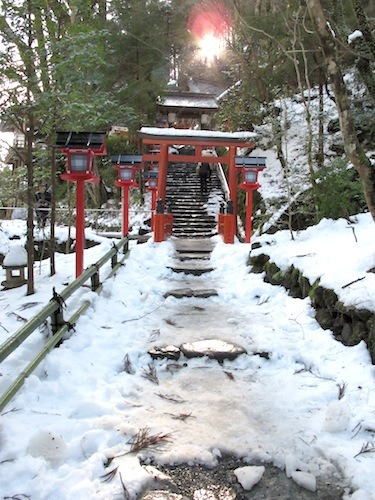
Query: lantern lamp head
x,y
80,149
79,161
126,173
152,177
250,175
126,166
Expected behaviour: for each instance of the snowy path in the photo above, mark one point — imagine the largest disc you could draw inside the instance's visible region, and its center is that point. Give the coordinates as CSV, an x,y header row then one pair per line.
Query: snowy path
x,y
82,408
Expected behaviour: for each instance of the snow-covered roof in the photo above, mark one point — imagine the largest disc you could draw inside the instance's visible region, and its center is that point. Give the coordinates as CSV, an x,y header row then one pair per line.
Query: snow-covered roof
x,y
189,100
191,134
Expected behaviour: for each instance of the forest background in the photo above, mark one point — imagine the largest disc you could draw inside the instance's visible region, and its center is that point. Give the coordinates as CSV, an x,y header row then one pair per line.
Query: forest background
x,y
89,65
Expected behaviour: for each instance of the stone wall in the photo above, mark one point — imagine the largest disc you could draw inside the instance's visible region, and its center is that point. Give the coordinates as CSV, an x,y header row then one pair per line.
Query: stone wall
x,y
349,325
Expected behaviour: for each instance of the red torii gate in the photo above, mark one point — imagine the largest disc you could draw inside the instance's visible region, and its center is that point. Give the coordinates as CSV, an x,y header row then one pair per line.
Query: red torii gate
x,y
200,139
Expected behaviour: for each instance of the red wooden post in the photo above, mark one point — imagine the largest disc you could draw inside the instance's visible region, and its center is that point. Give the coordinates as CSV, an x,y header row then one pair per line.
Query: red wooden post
x,y
233,178
125,210
159,234
229,228
249,214
163,169
80,225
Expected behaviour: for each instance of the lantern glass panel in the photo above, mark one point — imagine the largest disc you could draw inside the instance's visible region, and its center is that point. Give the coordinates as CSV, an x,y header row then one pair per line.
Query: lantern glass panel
x,y
152,183
126,174
250,176
78,162
172,117
205,119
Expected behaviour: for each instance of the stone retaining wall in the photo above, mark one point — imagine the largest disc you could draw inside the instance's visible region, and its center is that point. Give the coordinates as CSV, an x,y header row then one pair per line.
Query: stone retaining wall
x,y
349,325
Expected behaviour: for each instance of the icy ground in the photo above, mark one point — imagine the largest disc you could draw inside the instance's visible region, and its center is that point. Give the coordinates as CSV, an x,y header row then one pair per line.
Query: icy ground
x,y
74,421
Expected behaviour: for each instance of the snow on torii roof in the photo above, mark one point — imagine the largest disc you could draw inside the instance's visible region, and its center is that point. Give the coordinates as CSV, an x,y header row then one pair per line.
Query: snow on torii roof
x,y
176,135
189,100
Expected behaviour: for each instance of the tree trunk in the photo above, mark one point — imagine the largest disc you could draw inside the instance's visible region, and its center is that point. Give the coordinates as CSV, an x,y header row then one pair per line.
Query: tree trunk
x,y
353,149
29,161
320,152
364,25
53,213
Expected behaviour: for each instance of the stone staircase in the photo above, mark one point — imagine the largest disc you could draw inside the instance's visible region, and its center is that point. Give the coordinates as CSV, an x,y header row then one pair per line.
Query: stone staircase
x,y
194,214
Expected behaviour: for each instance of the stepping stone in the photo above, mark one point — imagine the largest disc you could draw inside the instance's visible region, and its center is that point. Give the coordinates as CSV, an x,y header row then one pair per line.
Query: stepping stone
x,y
181,293
213,348
169,352
195,268
205,293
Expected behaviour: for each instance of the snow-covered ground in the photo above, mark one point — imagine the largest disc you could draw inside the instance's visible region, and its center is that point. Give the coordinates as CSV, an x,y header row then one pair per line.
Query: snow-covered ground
x,y
74,420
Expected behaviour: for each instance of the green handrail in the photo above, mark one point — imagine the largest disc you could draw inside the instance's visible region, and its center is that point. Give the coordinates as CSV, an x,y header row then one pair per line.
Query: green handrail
x,y
17,384
30,326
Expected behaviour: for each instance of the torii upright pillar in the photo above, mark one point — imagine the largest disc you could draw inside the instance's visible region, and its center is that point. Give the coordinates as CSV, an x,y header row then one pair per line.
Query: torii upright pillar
x,y
159,219
230,219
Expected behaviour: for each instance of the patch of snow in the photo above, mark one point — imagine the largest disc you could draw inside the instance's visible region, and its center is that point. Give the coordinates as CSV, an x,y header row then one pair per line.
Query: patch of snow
x,y
17,256
305,480
353,36
249,476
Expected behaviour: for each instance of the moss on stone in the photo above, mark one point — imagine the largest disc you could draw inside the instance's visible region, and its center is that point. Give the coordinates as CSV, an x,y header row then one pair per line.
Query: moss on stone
x,y
370,324
348,324
330,298
304,285
316,294
271,271
258,262
360,331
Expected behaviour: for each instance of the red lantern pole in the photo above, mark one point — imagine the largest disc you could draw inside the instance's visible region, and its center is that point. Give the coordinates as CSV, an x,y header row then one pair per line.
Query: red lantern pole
x,y
249,214
80,225
125,210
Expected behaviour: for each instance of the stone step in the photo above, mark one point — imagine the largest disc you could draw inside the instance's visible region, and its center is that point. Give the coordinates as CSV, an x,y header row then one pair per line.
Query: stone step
x,y
193,226
194,246
194,229
185,256
192,267
181,293
204,232
193,214
188,207
198,235
188,215
188,222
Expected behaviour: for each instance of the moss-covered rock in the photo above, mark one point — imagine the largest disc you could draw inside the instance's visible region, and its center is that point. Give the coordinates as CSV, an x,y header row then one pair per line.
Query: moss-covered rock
x,y
304,285
324,318
347,337
360,331
330,298
273,273
349,325
370,325
295,283
258,262
316,294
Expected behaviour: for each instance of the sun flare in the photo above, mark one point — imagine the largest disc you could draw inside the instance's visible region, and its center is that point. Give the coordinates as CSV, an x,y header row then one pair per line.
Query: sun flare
x,y
210,48
210,23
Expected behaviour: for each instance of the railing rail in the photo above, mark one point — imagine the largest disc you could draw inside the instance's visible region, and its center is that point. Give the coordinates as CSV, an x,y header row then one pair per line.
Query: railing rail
x,y
223,181
54,310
